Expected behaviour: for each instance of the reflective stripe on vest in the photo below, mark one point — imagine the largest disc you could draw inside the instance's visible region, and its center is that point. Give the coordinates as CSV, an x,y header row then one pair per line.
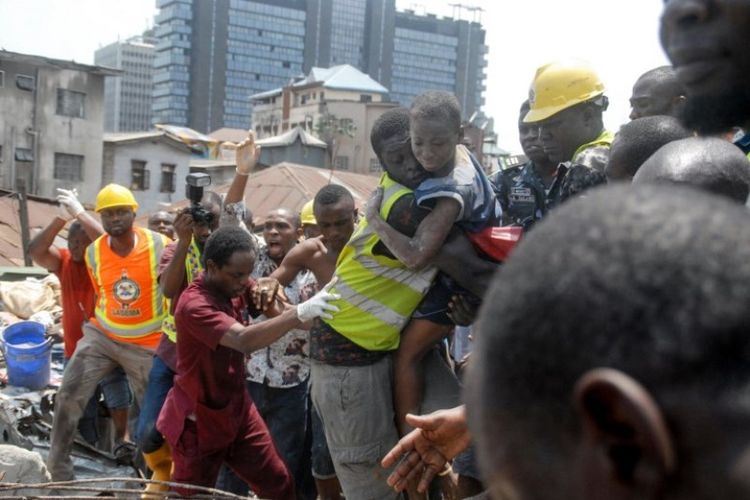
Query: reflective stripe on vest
x,y
604,139
130,291
378,293
193,267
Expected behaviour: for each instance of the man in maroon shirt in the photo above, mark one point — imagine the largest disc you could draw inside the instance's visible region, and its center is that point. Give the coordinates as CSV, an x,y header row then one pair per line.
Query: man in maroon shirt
x,y
208,417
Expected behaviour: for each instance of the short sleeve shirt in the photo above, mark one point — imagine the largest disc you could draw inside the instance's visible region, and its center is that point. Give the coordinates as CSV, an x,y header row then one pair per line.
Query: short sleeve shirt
x,y
286,362
210,373
469,186
209,387
78,299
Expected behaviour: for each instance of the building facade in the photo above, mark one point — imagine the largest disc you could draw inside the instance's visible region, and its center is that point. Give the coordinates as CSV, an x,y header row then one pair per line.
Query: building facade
x,y
151,164
213,54
339,105
127,100
51,125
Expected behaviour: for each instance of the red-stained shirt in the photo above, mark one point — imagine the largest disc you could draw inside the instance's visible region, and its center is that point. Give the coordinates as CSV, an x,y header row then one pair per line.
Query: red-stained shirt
x,y
210,383
78,299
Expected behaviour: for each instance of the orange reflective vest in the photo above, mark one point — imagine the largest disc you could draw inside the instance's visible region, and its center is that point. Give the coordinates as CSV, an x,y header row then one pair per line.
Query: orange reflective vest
x,y
130,306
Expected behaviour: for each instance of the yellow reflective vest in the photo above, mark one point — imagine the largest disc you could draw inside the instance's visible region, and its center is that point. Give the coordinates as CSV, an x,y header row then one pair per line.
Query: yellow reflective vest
x,y
378,293
193,267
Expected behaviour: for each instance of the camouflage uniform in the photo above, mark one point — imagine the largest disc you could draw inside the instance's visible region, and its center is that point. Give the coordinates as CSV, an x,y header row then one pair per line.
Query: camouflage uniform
x,y
524,197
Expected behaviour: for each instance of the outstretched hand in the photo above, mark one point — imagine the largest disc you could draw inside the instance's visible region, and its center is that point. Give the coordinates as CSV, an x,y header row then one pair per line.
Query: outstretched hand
x,y
318,305
425,451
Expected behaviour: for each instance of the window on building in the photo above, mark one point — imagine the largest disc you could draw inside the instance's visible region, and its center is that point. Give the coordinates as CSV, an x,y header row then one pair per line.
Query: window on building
x,y
68,167
24,154
341,163
2,79
139,175
375,165
25,82
365,98
167,178
1,153
70,103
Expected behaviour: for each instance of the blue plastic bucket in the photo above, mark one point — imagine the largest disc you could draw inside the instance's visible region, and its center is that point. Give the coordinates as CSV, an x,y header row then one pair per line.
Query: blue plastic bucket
x,y
27,354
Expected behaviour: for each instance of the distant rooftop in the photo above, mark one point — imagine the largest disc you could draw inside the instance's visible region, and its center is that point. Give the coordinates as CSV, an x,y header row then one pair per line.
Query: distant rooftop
x,y
227,134
290,136
342,77
6,55
162,136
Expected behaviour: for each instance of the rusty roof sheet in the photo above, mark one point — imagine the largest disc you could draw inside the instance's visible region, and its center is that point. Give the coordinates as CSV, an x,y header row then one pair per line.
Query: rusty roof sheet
x,y
41,212
288,185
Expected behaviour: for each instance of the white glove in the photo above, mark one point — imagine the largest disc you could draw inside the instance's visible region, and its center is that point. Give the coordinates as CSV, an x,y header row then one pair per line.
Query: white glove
x,y
70,207
318,305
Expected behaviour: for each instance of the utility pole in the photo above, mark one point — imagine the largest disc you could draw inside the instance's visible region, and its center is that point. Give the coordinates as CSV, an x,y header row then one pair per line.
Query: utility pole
x,y
23,214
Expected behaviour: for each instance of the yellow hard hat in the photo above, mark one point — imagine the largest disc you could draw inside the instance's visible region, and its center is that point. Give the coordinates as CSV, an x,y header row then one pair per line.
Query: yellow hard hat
x,y
115,195
560,85
306,214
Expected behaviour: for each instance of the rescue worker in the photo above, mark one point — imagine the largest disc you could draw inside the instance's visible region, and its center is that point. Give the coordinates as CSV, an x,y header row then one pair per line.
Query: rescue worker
x,y
78,300
567,101
126,325
528,192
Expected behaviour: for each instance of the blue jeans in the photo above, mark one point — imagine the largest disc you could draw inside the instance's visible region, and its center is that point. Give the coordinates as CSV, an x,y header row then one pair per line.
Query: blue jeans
x,y
285,414
160,380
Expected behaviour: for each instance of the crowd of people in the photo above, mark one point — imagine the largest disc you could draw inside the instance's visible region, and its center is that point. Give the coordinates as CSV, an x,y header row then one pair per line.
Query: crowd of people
x,y
326,358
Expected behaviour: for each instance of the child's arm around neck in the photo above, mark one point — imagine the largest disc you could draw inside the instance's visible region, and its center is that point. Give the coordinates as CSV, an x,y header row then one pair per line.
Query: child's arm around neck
x,y
416,252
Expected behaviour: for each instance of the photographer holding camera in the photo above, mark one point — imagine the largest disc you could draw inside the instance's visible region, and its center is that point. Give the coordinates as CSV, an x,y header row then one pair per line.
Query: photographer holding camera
x,y
180,264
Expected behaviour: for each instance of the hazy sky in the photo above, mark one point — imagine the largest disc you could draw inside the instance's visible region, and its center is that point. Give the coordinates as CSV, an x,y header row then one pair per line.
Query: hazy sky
x,y
620,38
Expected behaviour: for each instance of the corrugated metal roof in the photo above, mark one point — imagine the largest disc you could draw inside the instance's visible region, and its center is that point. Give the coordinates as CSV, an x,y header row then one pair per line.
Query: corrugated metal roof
x,y
41,212
288,185
148,135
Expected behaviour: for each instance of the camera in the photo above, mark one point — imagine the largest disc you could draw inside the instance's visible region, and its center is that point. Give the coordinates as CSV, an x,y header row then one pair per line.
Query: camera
x,y
194,184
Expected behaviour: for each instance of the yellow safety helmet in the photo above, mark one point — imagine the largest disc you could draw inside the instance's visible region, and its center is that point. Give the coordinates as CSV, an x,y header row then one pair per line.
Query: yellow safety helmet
x,y
115,195
560,85
306,215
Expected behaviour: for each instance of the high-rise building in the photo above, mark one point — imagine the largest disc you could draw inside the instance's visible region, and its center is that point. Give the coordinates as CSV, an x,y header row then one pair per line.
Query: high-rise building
x,y
432,53
127,99
213,55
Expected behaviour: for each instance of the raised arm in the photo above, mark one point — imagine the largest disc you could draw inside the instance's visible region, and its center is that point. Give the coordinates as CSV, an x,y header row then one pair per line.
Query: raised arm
x,y
68,200
41,247
296,260
415,252
172,276
248,154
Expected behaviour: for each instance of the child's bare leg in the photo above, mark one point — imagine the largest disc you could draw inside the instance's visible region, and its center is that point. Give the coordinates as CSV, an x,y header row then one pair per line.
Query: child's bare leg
x,y
417,339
